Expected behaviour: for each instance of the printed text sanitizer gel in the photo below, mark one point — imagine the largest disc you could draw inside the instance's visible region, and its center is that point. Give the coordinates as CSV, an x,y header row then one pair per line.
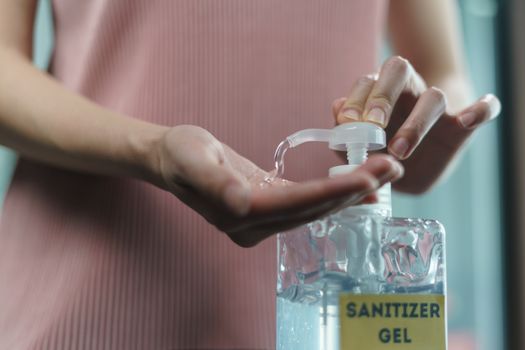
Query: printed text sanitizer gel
x,y
360,279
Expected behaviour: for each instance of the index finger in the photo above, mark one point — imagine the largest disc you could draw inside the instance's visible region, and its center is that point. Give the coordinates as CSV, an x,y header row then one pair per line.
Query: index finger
x,y
395,76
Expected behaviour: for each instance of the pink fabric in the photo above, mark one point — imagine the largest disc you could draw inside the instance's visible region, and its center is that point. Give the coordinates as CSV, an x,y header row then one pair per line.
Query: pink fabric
x,y
91,262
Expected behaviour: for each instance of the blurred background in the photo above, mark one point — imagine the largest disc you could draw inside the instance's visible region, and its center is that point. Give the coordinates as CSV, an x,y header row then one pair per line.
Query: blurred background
x,y
469,202
478,204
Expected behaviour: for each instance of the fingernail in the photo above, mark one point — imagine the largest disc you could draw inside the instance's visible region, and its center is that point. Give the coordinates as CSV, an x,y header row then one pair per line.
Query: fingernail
x,y
351,113
376,115
395,173
467,120
494,105
237,198
400,147
400,171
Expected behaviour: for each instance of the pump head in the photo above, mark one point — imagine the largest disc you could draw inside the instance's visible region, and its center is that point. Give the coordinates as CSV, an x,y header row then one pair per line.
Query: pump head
x,y
357,139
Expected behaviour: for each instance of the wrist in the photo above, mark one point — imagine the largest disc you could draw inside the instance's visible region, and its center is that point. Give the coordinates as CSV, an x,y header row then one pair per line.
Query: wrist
x,y
145,152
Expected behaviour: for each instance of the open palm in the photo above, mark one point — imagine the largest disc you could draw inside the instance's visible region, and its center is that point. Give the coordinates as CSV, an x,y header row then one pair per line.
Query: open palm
x,y
229,190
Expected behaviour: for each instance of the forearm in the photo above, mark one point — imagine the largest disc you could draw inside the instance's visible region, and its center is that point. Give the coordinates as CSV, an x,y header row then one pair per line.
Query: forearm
x,y
42,120
427,33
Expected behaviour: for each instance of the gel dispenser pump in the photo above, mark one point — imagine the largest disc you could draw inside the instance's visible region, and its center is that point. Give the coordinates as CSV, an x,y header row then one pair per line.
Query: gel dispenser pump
x,y
359,278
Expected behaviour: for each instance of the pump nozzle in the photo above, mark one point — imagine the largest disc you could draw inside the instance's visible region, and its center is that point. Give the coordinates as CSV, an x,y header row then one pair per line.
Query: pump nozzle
x,y
357,139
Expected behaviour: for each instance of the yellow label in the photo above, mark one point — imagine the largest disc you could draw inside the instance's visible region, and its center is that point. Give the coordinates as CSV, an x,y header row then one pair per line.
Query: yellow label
x,y
393,321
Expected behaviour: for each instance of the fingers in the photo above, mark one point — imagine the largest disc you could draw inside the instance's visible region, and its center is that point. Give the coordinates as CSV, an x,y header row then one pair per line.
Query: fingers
x,y
378,170
393,77
486,108
382,167
299,197
428,109
352,109
251,235
337,105
373,98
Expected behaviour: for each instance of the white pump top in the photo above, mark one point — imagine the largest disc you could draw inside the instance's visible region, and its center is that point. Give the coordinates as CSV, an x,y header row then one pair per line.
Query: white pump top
x,y
356,139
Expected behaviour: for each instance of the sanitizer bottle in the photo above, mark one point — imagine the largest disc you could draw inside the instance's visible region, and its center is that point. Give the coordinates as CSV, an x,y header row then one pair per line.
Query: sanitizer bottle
x,y
360,279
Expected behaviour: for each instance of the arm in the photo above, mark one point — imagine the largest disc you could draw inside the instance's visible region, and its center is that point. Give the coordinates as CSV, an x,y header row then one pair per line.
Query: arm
x,y
428,34
42,120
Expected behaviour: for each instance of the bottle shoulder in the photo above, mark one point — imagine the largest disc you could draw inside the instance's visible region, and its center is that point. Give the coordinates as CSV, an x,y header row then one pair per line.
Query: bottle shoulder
x,y
418,224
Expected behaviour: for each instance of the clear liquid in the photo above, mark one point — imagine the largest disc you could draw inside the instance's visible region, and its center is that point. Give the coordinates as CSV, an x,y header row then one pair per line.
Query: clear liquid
x,y
278,159
350,254
302,324
307,326
308,317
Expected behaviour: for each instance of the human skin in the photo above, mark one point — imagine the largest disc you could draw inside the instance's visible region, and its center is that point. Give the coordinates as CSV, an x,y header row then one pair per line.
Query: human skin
x,y
42,120
423,99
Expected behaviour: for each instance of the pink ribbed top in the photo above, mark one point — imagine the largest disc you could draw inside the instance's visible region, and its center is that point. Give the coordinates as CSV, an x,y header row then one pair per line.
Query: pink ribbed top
x,y
90,262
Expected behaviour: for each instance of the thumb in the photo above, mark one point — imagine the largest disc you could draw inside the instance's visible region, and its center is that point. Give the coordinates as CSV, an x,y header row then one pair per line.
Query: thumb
x,y
337,104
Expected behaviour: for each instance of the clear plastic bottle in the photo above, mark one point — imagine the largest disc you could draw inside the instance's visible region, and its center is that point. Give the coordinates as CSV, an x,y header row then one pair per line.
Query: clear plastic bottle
x,y
361,279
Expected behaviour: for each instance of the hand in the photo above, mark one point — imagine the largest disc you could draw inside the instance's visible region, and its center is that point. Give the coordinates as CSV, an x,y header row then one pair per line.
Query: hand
x,y
226,188
421,132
